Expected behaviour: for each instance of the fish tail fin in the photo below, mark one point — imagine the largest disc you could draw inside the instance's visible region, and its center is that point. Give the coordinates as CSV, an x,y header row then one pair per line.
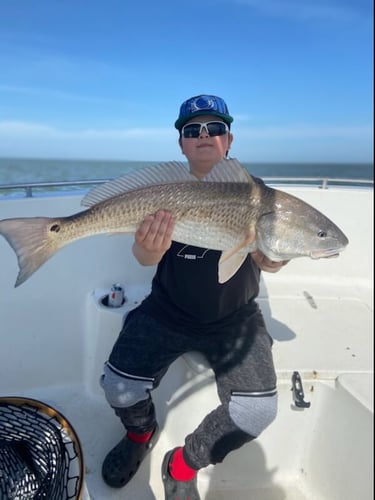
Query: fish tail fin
x,y
33,240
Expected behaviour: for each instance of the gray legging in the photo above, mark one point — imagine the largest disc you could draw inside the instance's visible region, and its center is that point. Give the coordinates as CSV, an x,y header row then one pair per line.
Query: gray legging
x,y
241,358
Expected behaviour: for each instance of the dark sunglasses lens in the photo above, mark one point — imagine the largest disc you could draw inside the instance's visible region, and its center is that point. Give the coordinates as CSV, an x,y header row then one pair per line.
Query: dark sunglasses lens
x,y
191,131
216,128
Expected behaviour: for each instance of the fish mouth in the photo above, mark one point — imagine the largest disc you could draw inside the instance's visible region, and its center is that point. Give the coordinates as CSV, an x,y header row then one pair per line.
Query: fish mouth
x,y
326,254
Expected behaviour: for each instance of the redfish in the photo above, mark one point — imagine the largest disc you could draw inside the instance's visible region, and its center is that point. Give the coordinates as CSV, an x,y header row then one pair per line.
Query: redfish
x,y
228,210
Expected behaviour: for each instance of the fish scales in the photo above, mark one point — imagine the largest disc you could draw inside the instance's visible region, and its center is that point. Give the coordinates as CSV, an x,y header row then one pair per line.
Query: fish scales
x,y
195,207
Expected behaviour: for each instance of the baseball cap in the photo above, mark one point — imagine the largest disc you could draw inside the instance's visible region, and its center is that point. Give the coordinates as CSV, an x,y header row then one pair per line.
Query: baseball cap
x,y
202,105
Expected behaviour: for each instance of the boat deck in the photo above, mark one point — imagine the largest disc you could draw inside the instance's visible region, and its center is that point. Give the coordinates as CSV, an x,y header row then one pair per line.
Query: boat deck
x,y
56,335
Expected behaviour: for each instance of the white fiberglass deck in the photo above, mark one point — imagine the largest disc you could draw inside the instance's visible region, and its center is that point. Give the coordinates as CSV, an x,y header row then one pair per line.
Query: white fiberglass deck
x,y
56,334
302,456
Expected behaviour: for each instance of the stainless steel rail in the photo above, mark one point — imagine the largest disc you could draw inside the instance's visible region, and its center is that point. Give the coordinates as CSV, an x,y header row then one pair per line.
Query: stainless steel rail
x,y
30,188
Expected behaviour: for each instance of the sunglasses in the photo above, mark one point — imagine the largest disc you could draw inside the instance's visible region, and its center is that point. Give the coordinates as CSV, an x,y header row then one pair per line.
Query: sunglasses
x,y
213,129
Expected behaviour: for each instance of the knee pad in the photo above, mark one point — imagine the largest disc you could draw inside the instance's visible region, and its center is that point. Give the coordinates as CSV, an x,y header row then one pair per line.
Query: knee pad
x,y
252,412
122,389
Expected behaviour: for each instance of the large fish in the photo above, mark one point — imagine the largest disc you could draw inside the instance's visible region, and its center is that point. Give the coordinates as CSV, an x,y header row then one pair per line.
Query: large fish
x,y
228,210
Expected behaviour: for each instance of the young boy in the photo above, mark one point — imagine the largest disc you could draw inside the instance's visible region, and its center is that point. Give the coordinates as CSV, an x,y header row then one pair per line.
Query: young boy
x,y
188,310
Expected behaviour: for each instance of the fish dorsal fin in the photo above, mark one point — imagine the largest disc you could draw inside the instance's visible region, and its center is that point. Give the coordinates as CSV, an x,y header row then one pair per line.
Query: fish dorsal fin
x,y
163,173
228,170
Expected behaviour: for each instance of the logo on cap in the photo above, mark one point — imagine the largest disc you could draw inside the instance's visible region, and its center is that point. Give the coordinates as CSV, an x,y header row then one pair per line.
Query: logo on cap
x,y
202,103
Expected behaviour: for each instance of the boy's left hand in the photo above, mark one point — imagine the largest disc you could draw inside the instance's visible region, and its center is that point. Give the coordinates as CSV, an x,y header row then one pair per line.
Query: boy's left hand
x,y
265,264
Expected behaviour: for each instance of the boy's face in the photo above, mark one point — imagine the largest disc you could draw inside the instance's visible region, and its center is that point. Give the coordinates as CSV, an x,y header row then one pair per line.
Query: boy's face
x,y
204,151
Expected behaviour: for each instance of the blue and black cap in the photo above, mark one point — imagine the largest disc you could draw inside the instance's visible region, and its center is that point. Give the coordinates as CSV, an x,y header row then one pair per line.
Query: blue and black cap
x,y
203,105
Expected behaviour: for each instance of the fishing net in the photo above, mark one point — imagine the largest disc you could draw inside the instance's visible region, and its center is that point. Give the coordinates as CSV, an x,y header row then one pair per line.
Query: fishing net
x,y
40,453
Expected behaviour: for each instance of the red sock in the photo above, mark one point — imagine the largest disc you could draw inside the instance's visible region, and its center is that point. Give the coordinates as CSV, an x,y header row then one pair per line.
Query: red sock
x,y
139,438
179,469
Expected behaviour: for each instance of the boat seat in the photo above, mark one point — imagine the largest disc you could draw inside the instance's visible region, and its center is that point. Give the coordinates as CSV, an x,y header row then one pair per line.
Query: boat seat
x,y
198,363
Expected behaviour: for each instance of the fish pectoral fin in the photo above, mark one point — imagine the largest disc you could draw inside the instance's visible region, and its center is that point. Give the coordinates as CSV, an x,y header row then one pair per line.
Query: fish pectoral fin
x,y
250,238
231,260
229,266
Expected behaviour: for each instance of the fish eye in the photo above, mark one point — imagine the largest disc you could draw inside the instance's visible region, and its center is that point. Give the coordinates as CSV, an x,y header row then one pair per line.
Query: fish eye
x,y
322,234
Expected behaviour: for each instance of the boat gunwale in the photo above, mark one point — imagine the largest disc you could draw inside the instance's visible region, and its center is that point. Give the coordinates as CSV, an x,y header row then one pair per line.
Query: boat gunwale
x,y
29,188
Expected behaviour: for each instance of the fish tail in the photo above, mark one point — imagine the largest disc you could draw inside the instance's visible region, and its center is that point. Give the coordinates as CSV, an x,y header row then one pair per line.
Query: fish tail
x,y
33,240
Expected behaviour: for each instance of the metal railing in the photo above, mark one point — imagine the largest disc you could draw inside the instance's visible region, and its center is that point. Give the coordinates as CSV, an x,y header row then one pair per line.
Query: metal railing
x,y
29,188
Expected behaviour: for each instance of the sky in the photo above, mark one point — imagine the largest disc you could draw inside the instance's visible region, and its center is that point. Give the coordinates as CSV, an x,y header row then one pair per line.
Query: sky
x,y
89,79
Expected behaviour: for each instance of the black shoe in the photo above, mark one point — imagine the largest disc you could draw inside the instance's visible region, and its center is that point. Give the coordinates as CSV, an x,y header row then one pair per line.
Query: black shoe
x,y
177,490
123,461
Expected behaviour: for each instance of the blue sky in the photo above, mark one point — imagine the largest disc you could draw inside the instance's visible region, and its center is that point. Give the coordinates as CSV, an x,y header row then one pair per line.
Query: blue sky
x,y
105,79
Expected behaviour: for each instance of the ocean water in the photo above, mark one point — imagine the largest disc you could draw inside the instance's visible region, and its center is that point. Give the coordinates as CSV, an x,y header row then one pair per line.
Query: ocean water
x,y
22,170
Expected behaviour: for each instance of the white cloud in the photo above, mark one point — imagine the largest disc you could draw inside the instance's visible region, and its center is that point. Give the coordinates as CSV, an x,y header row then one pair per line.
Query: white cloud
x,y
305,131
13,129
40,140
17,129
241,118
